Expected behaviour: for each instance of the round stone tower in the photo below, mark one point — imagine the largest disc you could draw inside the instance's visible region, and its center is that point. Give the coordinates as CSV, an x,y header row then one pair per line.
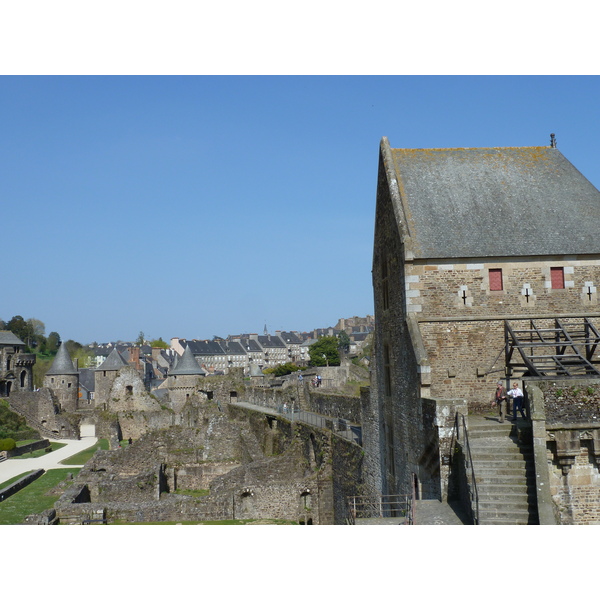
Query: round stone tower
x,y
63,379
183,379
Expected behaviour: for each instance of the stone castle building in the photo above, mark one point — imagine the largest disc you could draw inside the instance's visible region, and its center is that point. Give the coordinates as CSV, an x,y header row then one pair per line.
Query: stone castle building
x,y
476,252
63,379
183,380
16,367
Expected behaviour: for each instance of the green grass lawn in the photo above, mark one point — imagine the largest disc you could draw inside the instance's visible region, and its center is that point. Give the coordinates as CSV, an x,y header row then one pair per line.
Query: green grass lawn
x,y
25,442
32,499
6,483
82,457
40,452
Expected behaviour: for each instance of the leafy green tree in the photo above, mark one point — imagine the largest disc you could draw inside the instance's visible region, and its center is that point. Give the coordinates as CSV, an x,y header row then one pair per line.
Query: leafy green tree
x,y
37,326
159,343
40,368
21,328
343,341
286,369
52,342
140,339
324,352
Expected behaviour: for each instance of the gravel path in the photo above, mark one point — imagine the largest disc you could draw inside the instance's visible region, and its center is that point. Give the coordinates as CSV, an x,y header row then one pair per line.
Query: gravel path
x,y
15,466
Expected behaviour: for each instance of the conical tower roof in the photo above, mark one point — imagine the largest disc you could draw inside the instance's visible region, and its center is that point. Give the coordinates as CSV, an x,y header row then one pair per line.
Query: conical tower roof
x,y
114,361
187,365
62,365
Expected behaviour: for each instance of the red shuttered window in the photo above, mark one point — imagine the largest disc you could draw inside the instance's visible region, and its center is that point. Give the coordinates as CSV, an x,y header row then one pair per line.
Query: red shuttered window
x,y
496,280
557,277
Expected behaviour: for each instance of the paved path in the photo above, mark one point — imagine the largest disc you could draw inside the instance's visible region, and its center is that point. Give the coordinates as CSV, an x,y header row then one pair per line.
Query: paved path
x,y
434,512
16,466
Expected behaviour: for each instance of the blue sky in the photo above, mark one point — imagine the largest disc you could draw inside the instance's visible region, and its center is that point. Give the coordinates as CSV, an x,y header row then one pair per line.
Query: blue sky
x,y
196,206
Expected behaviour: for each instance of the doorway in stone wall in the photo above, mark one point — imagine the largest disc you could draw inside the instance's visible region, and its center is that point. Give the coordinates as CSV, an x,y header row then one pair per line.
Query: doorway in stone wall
x,y
87,429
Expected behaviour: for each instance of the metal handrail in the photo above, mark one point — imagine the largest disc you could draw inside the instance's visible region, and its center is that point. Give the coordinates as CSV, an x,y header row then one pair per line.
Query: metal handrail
x,y
473,488
373,507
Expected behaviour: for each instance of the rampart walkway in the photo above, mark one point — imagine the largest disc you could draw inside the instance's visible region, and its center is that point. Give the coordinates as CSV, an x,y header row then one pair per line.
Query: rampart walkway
x,y
341,427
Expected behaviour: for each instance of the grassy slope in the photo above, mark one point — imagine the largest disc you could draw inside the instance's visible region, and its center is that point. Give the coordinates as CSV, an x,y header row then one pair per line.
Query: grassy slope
x,y
32,499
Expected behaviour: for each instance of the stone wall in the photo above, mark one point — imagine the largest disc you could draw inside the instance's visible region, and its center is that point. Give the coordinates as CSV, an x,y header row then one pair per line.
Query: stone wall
x,y
333,405
566,418
20,450
42,413
461,288
14,487
65,389
401,368
467,357
256,467
371,441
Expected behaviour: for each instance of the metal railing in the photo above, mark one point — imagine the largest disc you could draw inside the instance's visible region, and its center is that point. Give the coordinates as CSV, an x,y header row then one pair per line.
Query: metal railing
x,y
342,427
461,424
381,507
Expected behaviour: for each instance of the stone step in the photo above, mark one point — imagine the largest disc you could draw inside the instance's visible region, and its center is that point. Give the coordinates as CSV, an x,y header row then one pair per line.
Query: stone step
x,y
503,467
485,469
488,465
501,454
506,521
500,490
507,503
494,478
506,513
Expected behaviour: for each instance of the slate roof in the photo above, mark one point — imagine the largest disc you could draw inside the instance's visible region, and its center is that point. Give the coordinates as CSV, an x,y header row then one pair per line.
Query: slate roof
x,y
250,345
291,337
482,202
204,347
62,364
233,348
114,362
8,338
87,379
270,341
187,364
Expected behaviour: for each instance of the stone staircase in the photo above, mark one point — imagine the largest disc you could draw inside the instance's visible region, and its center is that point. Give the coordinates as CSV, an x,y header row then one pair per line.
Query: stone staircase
x,y
504,470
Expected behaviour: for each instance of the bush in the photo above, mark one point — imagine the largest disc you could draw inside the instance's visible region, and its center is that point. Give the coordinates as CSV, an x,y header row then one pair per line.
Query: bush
x,y
7,444
286,369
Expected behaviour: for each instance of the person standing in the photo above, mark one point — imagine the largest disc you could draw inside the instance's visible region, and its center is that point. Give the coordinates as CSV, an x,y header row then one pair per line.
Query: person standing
x,y
517,396
500,400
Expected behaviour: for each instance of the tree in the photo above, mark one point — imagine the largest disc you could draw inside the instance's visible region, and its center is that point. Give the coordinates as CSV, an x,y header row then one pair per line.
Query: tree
x,y
21,328
324,352
159,343
344,341
286,369
53,342
37,327
140,339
